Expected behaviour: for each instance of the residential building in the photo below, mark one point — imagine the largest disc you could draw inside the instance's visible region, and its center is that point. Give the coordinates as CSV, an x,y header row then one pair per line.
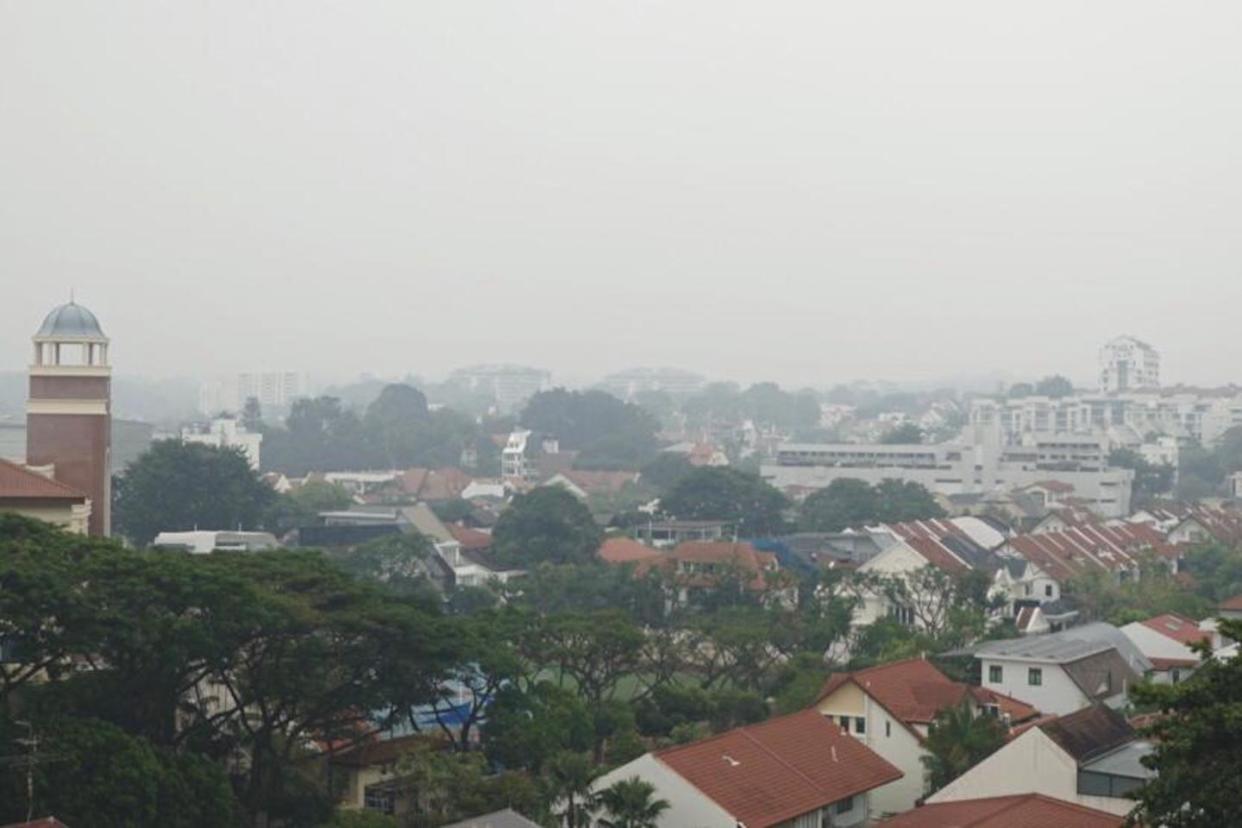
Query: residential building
x,y
69,412
368,775
226,432
519,459
582,484
625,385
508,818
1118,550
695,569
35,493
795,771
201,542
1065,671
889,708
1017,811
274,390
623,550
509,385
1166,641
977,465
663,534
1126,363
1231,608
1090,758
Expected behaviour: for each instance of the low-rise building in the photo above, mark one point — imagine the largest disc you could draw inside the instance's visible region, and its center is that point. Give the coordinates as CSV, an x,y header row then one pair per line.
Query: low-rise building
x,y
202,542
889,708
1166,641
795,771
1017,811
34,493
1090,758
225,432
1065,671
668,533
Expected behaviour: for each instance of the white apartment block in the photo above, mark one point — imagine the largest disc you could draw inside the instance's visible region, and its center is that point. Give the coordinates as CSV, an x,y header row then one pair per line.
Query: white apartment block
x,y
273,390
226,433
1127,363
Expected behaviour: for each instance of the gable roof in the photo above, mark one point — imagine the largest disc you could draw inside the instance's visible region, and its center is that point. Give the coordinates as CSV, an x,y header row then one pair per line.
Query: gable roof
x,y
625,550
1102,675
1077,549
1233,604
1177,627
1067,646
470,539
767,773
941,542
739,554
18,482
1020,811
914,691
508,818
1090,732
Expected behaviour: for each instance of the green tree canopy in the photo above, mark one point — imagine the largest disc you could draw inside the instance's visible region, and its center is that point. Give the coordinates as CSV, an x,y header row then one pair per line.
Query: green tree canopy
x,y
607,433
743,499
177,486
957,740
849,503
906,433
631,803
1054,386
547,524
1196,736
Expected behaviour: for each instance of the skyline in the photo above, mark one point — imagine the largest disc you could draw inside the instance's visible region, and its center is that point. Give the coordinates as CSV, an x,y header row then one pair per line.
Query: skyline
x,y
804,193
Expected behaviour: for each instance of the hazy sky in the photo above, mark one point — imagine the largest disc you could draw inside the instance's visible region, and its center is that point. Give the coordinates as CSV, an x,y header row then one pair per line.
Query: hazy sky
x,y
805,190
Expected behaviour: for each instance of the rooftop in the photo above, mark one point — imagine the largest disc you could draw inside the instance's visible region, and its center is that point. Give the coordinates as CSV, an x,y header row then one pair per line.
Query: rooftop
x,y
1020,811
768,773
1067,646
1090,732
71,321
508,818
20,483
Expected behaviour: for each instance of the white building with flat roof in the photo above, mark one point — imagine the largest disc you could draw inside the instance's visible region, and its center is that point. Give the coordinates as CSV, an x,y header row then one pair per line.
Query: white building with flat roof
x,y
1127,363
226,433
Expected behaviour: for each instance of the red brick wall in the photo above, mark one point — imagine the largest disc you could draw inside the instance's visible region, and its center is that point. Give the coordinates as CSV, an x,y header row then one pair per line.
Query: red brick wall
x,y
78,445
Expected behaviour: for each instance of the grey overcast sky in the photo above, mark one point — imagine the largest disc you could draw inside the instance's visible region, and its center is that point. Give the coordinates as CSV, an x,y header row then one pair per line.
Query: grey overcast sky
x,y
805,190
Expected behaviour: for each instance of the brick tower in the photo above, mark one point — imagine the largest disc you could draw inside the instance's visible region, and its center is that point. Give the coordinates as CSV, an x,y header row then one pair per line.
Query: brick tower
x,y
69,414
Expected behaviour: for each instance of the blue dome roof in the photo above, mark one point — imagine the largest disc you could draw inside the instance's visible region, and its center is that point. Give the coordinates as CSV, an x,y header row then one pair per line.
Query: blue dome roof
x,y
71,321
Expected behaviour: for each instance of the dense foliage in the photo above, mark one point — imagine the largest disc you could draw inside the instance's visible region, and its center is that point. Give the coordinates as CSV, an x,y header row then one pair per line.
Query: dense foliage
x,y
606,432
547,525
849,503
742,499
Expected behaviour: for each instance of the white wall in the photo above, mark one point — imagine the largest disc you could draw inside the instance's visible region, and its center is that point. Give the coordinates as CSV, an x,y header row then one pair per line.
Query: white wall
x,y
1057,694
1031,763
688,807
888,737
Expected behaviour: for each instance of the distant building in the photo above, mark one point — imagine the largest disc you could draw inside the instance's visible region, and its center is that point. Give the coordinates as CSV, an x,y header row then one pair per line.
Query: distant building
x,y
69,414
29,492
226,433
519,459
201,542
509,385
1127,363
273,390
627,384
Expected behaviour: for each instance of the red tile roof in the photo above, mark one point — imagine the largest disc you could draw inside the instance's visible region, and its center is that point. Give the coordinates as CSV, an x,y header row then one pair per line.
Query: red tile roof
x,y
1072,551
914,691
1177,627
470,538
625,550
1020,811
18,482
1162,665
768,773
691,560
600,482
1232,604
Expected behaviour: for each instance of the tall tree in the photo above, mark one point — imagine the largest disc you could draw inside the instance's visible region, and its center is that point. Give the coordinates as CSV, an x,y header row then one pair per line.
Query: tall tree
x,y
1054,386
1198,766
844,503
631,803
177,486
547,524
906,433
745,500
608,433
957,740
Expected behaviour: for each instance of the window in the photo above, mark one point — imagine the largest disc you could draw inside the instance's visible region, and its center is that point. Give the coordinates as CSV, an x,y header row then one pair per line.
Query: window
x,y
860,725
844,806
1048,590
1035,676
1028,589
845,723
996,674
888,729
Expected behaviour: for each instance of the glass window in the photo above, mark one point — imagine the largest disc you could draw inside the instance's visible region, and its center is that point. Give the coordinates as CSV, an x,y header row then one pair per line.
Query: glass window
x,y
844,806
888,729
1048,590
860,724
996,674
1035,676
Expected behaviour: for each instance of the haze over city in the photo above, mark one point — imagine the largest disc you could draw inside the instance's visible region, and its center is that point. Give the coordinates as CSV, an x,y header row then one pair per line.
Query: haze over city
x,y
797,191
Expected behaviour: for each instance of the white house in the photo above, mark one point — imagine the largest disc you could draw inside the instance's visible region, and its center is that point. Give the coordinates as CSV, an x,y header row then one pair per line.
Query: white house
x,y
795,771
889,708
1066,671
1091,758
226,433
1166,640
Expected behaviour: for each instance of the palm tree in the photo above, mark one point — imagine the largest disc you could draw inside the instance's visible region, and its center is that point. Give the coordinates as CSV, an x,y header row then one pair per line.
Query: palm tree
x,y
957,740
570,777
629,804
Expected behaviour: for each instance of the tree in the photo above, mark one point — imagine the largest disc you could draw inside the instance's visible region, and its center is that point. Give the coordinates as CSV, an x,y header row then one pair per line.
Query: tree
x,y
394,561
1150,480
745,500
850,503
547,524
177,486
631,803
607,433
392,422
1021,389
526,727
906,433
957,740
1054,386
668,468
1196,737
252,415
570,777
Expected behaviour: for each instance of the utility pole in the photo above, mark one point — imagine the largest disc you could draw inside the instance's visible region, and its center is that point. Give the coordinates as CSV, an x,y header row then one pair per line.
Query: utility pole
x,y
30,760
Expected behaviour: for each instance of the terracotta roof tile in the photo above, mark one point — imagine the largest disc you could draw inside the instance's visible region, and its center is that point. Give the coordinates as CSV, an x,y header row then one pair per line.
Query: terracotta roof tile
x,y
1233,604
19,482
470,538
625,550
1020,811
1177,627
768,773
